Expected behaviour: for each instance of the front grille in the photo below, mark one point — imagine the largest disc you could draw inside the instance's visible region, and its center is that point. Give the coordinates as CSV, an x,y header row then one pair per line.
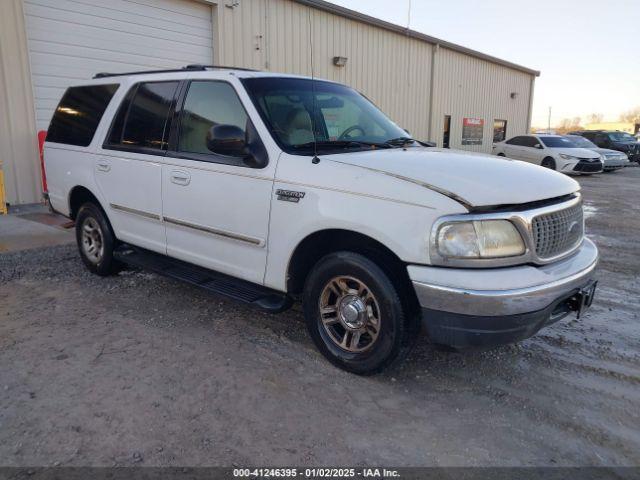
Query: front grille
x,y
558,232
591,166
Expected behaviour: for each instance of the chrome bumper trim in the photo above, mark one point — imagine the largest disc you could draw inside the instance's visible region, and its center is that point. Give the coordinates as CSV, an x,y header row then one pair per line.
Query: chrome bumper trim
x,y
491,303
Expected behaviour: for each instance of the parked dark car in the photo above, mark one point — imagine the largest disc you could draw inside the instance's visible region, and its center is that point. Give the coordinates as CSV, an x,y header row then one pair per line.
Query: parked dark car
x,y
613,140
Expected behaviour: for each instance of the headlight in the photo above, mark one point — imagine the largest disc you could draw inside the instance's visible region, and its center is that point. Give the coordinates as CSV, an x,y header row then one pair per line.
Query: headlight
x,y
568,157
479,239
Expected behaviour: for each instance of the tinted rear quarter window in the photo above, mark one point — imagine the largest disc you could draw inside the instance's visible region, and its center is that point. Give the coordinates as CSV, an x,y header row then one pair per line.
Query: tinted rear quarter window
x,y
78,114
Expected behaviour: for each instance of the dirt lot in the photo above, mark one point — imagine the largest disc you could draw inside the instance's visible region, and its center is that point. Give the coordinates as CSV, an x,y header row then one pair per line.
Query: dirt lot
x,y
140,370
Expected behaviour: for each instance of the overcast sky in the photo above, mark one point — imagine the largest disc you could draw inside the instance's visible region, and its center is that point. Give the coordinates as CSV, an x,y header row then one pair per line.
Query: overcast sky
x,y
587,50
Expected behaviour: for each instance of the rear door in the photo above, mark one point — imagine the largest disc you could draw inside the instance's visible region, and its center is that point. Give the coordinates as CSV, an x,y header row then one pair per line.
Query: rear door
x,y
215,207
513,148
128,167
531,153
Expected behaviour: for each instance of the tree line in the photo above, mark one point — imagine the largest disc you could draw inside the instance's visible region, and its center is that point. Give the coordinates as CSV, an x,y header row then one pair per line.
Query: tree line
x,y
568,124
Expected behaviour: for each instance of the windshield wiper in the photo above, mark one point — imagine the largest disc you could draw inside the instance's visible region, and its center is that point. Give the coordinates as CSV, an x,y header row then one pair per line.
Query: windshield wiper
x,y
338,144
400,141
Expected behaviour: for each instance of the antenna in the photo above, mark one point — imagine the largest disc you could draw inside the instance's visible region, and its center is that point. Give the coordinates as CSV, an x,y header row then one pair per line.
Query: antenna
x,y
408,51
313,93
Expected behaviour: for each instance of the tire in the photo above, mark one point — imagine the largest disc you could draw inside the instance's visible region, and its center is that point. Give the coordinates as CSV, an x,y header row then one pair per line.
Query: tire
x,y
549,162
96,240
364,327
501,155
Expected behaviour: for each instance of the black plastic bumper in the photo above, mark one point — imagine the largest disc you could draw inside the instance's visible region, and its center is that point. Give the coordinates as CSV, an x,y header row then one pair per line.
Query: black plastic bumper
x,y
588,167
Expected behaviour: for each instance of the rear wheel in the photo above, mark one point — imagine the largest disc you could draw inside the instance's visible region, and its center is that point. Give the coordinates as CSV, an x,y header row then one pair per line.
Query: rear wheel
x,y
354,314
95,240
549,162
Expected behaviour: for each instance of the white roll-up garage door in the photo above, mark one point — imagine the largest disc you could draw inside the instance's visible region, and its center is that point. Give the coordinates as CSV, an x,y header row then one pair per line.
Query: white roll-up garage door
x,y
71,40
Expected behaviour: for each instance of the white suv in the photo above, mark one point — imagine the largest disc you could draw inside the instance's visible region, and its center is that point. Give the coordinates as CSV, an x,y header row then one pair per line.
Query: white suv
x,y
271,188
552,151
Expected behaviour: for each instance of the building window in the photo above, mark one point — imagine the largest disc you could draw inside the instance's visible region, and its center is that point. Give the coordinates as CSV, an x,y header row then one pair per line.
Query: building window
x,y
499,130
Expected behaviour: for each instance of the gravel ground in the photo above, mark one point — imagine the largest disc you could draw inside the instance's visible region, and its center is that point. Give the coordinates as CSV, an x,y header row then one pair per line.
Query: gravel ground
x,y
137,369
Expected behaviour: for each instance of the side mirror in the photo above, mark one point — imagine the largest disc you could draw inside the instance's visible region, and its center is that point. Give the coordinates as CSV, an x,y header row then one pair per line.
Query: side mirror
x,y
227,140
537,145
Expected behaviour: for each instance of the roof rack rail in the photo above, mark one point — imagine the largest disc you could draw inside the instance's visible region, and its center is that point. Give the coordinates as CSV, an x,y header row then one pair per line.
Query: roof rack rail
x,y
197,66
192,67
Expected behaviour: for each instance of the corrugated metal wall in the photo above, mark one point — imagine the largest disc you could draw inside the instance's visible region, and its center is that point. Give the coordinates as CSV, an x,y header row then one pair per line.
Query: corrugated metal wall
x,y
393,70
465,86
18,142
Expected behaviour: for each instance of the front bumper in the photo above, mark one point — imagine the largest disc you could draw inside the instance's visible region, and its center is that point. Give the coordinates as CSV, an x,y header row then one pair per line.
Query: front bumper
x,y
615,163
584,166
486,307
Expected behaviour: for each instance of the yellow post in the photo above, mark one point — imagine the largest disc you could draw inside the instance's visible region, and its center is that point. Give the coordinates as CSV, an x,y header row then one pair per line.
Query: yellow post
x,y
3,205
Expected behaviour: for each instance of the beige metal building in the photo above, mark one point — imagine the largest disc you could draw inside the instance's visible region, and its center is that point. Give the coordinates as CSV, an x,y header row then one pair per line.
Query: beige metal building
x,y
437,90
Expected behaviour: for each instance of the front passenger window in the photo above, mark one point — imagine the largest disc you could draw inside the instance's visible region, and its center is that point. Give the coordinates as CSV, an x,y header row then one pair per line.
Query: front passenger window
x,y
208,103
532,142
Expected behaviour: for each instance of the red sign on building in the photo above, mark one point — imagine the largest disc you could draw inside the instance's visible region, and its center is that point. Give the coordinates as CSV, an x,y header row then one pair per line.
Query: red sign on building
x,y
472,131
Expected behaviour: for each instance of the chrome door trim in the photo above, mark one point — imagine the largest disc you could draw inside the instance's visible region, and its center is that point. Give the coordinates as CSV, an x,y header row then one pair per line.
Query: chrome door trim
x,y
135,211
213,231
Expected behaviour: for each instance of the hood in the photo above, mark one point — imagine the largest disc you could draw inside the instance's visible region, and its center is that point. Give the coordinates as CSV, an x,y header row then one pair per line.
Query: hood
x,y
607,151
473,179
577,152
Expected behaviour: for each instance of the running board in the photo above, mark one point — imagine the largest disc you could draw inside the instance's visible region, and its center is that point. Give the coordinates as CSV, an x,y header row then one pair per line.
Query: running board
x,y
258,296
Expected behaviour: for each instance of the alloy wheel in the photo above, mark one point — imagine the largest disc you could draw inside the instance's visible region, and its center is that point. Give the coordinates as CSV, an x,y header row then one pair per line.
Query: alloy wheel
x,y
92,240
350,314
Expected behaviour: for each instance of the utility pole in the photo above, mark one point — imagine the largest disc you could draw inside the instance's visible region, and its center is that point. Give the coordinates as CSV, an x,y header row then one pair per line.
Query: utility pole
x,y
549,122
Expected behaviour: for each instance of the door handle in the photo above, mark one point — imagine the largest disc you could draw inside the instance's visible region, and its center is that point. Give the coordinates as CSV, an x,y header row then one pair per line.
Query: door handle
x,y
103,166
180,178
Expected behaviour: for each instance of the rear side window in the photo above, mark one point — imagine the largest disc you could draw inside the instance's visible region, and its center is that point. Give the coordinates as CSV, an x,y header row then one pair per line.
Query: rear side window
x,y
78,114
519,141
142,122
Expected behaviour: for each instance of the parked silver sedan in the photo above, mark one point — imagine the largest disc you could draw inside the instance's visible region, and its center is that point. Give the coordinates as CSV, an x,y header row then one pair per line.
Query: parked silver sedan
x,y
612,159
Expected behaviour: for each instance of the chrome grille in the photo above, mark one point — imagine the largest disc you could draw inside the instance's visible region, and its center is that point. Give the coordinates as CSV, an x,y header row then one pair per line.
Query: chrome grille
x,y
558,232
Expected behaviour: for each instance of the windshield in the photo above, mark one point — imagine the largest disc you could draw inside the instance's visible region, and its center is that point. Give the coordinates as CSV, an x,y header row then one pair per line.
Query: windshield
x,y
343,119
558,142
581,141
621,137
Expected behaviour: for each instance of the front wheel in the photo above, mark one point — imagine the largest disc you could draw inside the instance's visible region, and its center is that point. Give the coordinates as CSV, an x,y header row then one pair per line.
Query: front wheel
x,y
95,240
354,314
549,163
